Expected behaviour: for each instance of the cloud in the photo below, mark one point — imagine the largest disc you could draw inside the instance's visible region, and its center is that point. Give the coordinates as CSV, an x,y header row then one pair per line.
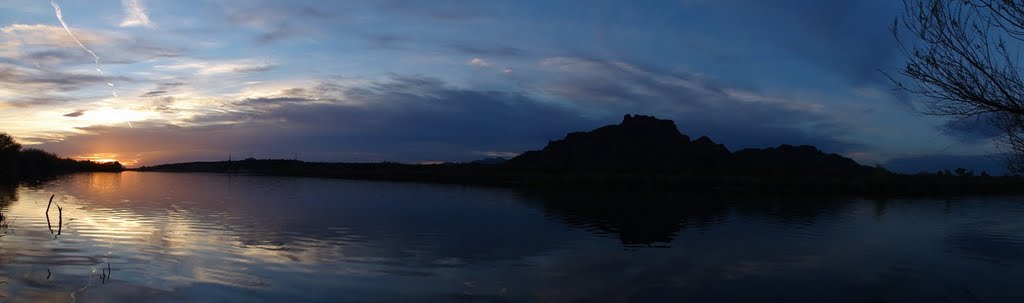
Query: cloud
x,y
16,36
479,62
48,46
276,21
134,14
737,117
401,118
214,67
34,81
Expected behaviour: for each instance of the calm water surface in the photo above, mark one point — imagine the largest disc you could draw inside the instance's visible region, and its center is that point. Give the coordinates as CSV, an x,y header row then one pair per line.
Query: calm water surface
x,y
224,238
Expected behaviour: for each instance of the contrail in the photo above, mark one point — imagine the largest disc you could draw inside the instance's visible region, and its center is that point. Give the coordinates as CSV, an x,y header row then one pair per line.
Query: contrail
x,y
60,17
96,59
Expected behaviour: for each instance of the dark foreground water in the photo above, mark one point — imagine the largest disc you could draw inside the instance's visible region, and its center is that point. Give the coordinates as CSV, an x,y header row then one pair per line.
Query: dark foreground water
x,y
221,238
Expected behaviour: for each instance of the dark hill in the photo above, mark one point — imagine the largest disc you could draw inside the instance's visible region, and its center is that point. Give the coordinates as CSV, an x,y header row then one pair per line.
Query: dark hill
x,y
646,144
639,143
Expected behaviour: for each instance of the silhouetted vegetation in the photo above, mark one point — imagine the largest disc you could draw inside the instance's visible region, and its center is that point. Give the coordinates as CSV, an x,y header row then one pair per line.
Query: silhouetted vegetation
x,y
962,57
643,153
18,164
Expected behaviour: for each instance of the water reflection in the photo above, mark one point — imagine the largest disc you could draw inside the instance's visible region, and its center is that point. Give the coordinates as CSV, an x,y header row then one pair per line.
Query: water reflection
x,y
643,219
207,237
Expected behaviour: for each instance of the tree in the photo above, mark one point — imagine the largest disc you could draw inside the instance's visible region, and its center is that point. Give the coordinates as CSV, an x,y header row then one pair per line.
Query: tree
x,y
8,156
964,63
8,144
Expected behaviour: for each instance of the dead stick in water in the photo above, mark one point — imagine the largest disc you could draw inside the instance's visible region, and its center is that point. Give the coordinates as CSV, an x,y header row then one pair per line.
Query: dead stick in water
x,y
48,205
48,214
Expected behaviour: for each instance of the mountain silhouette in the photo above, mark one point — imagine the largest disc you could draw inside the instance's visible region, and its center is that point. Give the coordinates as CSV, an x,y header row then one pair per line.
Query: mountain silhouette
x,y
648,144
639,143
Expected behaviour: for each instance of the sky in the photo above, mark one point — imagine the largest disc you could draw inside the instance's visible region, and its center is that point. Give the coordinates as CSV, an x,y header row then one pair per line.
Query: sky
x,y
148,82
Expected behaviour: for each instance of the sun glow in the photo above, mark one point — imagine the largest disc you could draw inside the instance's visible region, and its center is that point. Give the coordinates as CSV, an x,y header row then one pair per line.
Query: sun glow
x,y
111,116
107,158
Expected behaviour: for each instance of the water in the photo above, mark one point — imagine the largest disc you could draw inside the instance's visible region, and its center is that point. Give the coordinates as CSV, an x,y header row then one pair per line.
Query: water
x,y
223,238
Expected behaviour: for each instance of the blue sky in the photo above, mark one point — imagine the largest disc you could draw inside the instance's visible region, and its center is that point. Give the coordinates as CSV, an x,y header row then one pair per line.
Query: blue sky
x,y
424,81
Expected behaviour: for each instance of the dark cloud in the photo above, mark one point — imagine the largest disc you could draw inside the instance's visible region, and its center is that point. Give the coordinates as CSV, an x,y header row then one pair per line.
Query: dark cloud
x,y
43,80
153,93
30,101
255,68
76,113
851,38
162,89
56,55
972,130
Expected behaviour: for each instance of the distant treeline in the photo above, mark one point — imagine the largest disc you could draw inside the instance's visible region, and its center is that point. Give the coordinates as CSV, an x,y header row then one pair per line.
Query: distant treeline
x,y
878,181
26,164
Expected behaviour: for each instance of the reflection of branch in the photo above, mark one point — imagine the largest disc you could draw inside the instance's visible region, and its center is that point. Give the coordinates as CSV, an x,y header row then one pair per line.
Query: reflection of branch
x,y
60,219
105,274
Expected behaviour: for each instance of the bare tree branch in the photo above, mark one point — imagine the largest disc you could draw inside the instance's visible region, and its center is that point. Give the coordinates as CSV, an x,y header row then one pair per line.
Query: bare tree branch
x,y
962,59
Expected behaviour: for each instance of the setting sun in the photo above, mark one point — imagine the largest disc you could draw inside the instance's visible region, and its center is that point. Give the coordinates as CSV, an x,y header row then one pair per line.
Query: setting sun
x,y
106,158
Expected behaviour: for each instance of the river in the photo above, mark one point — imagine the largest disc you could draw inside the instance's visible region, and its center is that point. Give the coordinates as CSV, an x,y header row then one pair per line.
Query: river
x,y
191,237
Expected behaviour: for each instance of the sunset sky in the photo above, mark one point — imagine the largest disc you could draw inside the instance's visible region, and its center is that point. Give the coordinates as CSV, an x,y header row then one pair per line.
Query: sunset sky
x,y
424,81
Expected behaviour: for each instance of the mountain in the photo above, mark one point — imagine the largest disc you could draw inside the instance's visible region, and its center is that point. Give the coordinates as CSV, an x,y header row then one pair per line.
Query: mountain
x,y
651,145
641,143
